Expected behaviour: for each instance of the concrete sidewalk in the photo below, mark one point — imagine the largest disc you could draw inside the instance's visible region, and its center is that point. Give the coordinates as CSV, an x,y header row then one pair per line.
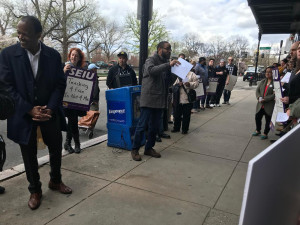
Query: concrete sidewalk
x,y
199,179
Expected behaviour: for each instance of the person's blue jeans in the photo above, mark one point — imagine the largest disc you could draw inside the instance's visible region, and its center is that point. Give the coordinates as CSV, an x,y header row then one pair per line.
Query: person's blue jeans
x,y
226,95
149,117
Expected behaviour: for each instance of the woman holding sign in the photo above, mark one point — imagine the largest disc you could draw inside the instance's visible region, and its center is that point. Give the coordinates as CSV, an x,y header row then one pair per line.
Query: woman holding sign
x,y
265,105
75,59
182,108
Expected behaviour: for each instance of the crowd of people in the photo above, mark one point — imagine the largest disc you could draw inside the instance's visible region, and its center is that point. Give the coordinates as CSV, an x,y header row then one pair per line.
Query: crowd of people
x,y
33,83
289,70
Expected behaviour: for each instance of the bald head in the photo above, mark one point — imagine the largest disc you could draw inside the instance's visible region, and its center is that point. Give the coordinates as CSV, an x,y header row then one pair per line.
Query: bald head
x,y
293,51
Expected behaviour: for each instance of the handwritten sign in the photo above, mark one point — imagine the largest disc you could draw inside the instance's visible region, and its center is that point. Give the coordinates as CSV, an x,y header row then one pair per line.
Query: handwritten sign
x,y
80,84
213,83
278,108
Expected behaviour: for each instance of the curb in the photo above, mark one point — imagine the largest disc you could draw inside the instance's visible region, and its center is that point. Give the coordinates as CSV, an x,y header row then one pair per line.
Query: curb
x,y
19,169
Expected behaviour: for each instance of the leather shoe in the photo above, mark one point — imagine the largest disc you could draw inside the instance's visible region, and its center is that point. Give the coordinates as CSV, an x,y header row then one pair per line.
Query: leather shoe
x,y
158,139
135,155
35,200
61,187
164,135
174,131
152,152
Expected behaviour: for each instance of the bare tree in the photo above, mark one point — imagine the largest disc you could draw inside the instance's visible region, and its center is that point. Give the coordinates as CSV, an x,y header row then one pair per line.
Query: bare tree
x,y
192,44
42,9
67,13
111,37
5,19
89,37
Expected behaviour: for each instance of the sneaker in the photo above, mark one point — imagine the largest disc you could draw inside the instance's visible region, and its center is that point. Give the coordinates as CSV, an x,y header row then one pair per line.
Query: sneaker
x,y
228,103
208,107
212,105
263,137
184,132
255,133
135,155
218,105
194,111
224,103
152,152
174,131
215,105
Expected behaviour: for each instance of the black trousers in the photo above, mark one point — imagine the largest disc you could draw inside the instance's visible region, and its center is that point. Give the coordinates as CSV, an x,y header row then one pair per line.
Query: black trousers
x,y
258,118
219,92
52,137
182,115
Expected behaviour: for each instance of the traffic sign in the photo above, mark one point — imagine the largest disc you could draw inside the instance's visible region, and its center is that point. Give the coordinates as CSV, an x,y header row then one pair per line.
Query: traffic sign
x,y
264,48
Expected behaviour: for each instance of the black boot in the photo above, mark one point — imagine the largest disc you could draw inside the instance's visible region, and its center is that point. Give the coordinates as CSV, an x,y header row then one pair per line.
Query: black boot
x,y
2,189
67,145
77,143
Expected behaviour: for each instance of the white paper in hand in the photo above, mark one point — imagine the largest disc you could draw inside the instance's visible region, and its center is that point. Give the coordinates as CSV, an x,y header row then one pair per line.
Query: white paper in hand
x,y
183,69
286,77
282,117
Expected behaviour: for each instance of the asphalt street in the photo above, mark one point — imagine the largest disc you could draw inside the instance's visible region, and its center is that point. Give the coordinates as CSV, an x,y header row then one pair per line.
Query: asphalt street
x,y
14,156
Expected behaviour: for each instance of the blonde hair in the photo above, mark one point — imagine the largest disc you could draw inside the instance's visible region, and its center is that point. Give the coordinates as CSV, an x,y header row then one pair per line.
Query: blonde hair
x,y
193,62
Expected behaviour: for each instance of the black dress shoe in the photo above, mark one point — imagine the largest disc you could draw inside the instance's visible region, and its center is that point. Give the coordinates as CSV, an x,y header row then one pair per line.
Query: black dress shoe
x,y
184,132
2,190
158,139
164,135
174,131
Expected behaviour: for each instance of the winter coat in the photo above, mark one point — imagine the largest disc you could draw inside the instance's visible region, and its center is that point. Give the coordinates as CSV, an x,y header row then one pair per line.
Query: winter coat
x,y
194,83
156,76
269,99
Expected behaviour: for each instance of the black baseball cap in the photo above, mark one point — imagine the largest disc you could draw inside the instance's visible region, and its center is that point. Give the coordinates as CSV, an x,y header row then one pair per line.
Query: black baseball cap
x,y
122,54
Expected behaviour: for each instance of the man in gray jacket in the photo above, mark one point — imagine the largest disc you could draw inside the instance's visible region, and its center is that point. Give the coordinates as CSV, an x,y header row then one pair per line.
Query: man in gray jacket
x,y
156,74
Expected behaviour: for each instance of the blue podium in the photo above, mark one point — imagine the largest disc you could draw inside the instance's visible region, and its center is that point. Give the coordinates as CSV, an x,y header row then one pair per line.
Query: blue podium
x,y
123,113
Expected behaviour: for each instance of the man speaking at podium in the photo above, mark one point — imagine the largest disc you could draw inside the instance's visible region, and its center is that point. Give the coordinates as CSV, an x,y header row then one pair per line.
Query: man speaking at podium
x,y
156,77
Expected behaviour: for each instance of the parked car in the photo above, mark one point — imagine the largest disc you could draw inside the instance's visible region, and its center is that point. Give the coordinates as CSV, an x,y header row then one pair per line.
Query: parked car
x,y
112,63
102,64
249,73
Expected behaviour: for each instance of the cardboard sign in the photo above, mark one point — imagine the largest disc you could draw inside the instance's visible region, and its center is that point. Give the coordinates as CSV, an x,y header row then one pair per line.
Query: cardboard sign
x,y
232,82
80,86
200,89
272,188
212,88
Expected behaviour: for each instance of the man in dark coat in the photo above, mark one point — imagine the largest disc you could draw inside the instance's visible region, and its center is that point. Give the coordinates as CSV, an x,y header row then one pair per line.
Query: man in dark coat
x,y
153,98
121,75
34,78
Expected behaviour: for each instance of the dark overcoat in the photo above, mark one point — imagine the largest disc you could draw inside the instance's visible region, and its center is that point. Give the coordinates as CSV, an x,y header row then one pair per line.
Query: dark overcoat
x,y
46,89
154,87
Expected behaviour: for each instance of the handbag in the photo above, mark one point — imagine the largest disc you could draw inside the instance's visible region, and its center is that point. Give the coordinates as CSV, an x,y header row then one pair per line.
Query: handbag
x,y
191,94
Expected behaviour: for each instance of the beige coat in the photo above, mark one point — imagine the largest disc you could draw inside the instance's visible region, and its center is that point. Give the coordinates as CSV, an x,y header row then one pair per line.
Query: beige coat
x,y
194,83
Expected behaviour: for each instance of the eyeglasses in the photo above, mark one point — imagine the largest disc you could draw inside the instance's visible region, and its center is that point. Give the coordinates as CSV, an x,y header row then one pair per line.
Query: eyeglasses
x,y
168,49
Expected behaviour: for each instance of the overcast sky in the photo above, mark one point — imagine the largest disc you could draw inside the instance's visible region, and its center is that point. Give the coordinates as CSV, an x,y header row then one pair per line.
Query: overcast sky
x,y
207,18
